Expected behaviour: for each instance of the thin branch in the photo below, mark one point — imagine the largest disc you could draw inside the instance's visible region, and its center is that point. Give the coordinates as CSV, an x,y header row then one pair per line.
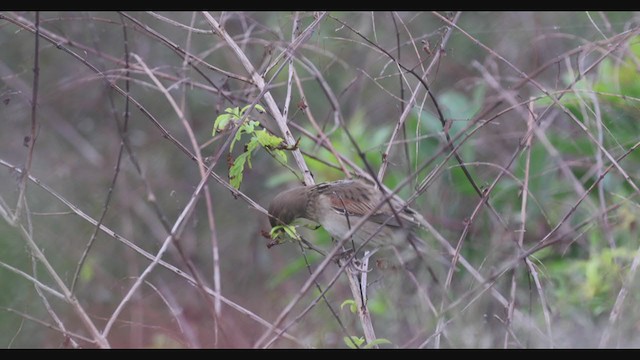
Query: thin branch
x,y
31,140
149,256
531,122
100,340
259,82
176,232
49,309
616,311
556,101
35,281
443,122
178,50
66,333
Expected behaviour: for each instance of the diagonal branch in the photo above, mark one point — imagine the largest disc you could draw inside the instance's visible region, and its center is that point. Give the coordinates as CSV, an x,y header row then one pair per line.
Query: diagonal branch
x,y
260,83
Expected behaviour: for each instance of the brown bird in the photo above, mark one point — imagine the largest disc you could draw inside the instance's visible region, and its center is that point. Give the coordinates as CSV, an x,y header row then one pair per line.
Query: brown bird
x,y
339,205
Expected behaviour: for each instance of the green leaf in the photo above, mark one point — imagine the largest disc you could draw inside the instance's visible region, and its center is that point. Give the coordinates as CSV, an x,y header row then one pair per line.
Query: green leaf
x,y
246,128
221,123
252,144
233,111
257,138
267,140
258,107
223,120
353,341
271,142
377,342
236,170
289,230
353,307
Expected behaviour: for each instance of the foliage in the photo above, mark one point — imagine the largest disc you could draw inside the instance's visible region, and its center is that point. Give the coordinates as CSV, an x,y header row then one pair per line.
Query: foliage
x,y
257,138
355,342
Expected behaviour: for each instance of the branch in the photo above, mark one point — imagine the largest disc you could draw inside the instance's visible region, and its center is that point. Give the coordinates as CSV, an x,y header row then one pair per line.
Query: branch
x,y
259,81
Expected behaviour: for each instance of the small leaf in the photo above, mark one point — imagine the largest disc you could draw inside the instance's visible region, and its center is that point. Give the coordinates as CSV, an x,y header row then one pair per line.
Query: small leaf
x,y
233,111
271,143
252,144
353,307
244,109
250,125
267,140
223,120
221,123
289,230
353,341
246,128
377,342
258,107
276,231
292,232
236,170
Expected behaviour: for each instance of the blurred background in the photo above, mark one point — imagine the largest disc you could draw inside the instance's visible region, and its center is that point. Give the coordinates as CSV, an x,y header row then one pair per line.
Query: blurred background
x,y
541,104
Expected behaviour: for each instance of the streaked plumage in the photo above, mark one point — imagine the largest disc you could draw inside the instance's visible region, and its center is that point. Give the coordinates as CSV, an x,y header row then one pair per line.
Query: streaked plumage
x,y
340,205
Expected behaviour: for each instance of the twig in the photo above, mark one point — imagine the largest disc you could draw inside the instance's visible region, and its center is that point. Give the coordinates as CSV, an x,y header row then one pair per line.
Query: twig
x,y
443,122
555,100
100,340
280,118
287,97
176,231
546,241
540,135
616,311
50,326
401,84
103,214
322,293
313,303
191,338
359,292
149,256
183,53
259,82
35,281
179,25
606,227
523,220
34,125
47,306
215,250
323,138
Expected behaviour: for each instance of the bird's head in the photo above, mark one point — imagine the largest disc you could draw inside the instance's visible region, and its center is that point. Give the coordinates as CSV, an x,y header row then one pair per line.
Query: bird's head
x,y
288,206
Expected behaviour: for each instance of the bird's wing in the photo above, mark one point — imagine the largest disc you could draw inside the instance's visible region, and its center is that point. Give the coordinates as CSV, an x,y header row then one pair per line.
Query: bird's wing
x,y
358,199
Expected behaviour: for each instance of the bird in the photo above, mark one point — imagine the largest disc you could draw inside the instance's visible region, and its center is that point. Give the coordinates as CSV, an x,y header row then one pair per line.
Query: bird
x,y
339,205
